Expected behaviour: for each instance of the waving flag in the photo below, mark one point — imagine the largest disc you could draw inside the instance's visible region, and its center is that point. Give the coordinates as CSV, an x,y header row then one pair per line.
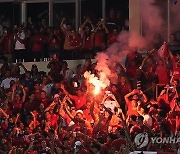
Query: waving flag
x,y
163,51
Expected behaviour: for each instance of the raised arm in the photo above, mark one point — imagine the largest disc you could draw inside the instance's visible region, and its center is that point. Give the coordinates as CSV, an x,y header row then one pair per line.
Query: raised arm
x,y
51,106
17,38
144,96
24,94
83,24
15,69
143,62
126,97
66,92
114,98
4,113
104,98
17,117
24,68
68,112
13,92
62,25
99,24
105,28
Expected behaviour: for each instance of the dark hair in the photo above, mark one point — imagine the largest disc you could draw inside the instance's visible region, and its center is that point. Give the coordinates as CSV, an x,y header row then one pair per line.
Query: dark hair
x,y
133,117
162,114
97,146
112,136
100,140
155,106
140,118
64,63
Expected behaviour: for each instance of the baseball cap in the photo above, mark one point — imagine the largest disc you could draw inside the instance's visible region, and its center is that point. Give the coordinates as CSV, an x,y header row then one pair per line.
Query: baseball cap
x,y
79,111
56,95
77,143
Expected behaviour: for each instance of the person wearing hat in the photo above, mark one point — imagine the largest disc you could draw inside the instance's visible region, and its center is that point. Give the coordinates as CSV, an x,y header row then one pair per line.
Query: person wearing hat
x,y
79,123
79,148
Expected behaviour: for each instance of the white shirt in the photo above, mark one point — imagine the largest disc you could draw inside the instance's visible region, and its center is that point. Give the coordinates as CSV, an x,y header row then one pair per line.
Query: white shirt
x,y
19,45
6,82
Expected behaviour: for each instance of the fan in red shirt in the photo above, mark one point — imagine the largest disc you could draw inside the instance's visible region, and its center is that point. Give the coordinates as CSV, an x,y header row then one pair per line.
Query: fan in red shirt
x,y
132,104
38,40
6,43
75,40
87,35
17,101
56,63
54,42
162,72
87,39
80,98
112,37
176,65
100,35
44,99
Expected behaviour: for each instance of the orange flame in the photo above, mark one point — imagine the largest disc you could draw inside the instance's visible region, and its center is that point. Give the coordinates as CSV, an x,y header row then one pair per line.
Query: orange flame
x,y
97,90
98,84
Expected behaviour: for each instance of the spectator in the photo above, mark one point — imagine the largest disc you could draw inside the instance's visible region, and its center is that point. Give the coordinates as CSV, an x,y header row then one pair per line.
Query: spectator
x,y
67,72
6,40
8,78
19,44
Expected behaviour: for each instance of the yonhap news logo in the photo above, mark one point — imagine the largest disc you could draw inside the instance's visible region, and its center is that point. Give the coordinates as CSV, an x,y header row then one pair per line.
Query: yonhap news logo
x,y
142,139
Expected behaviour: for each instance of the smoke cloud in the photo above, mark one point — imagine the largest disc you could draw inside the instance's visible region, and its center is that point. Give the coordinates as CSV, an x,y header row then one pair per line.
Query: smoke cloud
x,y
116,54
153,23
152,20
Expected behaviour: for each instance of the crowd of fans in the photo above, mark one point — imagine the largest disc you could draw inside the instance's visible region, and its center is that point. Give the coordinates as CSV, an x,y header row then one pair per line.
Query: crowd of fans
x,y
58,112
32,42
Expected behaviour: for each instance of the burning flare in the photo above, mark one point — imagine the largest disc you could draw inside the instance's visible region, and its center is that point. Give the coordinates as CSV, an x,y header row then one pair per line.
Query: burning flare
x,y
98,84
97,90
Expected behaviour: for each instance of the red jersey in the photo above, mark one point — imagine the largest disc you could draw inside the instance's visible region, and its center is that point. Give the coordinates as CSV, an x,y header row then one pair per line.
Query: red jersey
x,y
88,42
75,42
38,42
99,38
131,110
6,44
17,106
176,69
